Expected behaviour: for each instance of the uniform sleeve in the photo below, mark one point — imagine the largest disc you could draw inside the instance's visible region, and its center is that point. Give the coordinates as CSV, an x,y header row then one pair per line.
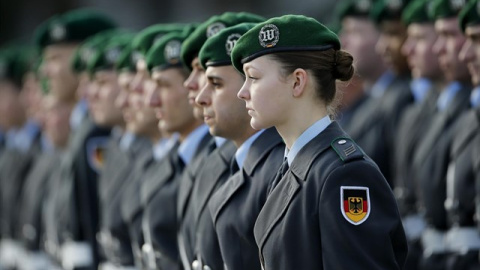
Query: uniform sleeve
x,y
359,221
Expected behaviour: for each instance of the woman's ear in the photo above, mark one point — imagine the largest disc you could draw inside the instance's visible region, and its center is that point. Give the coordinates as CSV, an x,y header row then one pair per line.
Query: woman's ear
x,y
300,78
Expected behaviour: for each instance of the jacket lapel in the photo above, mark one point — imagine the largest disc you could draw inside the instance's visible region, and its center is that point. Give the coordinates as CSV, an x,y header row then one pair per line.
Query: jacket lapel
x,y
212,175
191,171
281,197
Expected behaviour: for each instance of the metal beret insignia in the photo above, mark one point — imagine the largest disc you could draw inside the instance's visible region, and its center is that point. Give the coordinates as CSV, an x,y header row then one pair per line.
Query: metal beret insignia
x,y
269,36
214,28
231,41
172,51
58,32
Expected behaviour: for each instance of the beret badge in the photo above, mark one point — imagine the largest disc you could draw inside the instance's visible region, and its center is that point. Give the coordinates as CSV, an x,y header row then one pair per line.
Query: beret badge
x,y
214,28
58,32
269,36
231,41
172,51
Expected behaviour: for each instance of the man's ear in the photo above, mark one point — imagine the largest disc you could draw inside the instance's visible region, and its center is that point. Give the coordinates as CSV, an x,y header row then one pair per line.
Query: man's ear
x,y
300,78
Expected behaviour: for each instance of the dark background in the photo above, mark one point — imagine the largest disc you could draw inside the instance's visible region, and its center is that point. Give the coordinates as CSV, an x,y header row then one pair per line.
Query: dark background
x,y
19,18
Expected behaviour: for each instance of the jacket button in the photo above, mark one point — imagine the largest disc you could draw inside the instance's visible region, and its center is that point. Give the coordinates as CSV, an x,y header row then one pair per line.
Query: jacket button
x,y
195,265
206,267
341,142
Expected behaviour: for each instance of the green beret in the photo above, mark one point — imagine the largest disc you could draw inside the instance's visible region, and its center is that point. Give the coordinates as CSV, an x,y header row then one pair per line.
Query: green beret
x,y
194,42
144,40
357,8
166,52
74,26
388,10
85,52
15,62
417,12
470,14
446,8
125,61
216,51
108,55
283,34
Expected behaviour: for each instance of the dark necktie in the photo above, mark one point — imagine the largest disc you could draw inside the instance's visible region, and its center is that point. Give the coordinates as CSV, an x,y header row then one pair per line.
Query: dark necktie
x,y
234,166
280,173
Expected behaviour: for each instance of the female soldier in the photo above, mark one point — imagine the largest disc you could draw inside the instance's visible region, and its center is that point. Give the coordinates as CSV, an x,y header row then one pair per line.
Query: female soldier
x,y
332,209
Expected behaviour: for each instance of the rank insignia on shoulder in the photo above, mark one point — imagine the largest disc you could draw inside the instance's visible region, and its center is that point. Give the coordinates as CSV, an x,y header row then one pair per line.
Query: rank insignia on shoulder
x,y
96,148
355,204
346,149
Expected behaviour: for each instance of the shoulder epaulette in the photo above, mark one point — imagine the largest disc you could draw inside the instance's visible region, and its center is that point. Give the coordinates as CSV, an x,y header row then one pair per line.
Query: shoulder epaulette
x,y
346,149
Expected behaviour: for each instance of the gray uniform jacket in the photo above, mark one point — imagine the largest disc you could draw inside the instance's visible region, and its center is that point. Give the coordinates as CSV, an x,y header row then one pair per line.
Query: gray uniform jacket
x,y
333,209
235,206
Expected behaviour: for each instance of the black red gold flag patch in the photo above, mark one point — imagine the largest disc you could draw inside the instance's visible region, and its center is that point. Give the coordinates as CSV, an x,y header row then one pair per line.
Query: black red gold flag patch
x,y
355,204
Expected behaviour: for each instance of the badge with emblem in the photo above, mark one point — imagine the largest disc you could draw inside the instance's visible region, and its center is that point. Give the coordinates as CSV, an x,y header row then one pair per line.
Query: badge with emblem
x,y
172,51
394,5
230,43
363,5
214,28
86,54
112,55
456,5
96,148
269,36
355,204
58,32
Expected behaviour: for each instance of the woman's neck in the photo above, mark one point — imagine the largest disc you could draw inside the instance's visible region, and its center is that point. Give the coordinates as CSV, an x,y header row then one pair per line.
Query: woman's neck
x,y
299,121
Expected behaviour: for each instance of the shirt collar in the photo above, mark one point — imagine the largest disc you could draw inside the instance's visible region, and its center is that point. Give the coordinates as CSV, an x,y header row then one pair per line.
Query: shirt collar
x,y
420,88
382,84
306,137
163,146
242,151
447,95
78,114
126,141
189,146
219,141
47,146
475,97
22,139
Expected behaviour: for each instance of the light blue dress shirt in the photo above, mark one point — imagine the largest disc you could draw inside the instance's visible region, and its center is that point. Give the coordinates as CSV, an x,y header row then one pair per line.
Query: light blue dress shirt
x,y
447,95
79,113
420,88
189,146
306,137
475,97
161,148
242,151
382,83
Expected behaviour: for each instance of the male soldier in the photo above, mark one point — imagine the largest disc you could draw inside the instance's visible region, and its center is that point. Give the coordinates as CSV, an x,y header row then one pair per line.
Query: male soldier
x,y
55,131
72,214
22,145
194,84
227,117
463,239
154,167
161,183
374,128
431,155
426,74
359,36
125,147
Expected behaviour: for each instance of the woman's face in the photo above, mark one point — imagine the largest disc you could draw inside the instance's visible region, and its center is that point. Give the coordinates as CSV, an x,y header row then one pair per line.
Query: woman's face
x,y
266,92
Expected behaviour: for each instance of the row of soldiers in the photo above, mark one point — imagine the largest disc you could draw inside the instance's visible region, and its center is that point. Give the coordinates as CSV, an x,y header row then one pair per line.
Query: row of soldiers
x,y
119,151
